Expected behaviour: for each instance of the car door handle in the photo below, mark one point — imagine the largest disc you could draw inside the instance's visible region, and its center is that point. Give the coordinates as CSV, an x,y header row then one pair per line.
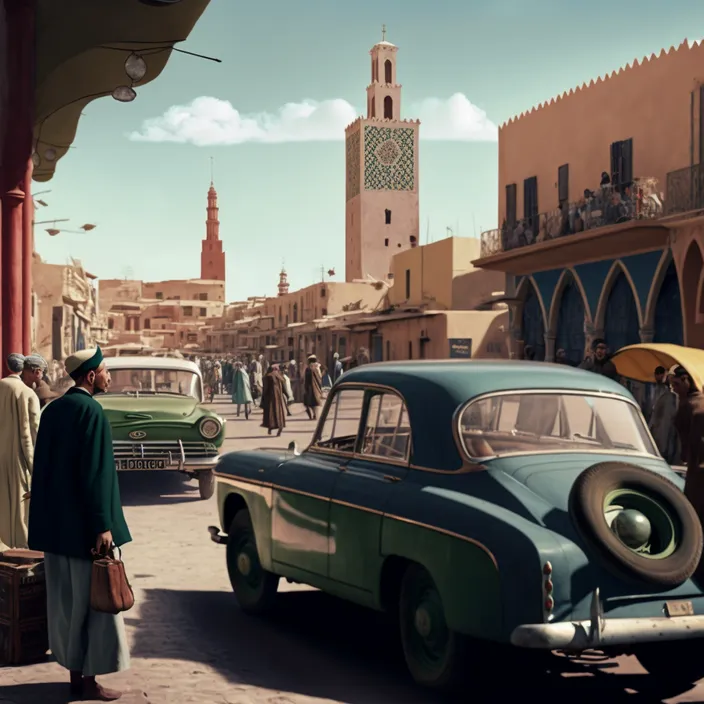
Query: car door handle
x,y
343,467
392,478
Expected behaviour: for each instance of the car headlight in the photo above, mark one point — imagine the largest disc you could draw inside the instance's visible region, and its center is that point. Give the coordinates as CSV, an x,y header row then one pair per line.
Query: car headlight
x,y
210,428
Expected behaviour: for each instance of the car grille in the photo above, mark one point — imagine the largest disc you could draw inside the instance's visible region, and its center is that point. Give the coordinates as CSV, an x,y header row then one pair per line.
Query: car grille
x,y
125,450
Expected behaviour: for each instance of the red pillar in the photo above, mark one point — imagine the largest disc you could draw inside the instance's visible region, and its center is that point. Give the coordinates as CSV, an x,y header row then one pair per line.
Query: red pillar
x,y
27,250
12,202
18,57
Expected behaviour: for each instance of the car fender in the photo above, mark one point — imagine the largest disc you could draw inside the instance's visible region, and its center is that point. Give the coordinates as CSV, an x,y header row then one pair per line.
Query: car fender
x,y
486,561
241,485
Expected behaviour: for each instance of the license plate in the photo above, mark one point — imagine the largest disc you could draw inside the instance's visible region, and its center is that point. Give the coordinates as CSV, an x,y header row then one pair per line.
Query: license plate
x,y
141,464
679,608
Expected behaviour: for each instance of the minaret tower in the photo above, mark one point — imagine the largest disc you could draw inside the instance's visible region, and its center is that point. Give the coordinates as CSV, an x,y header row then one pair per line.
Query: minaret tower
x,y
283,282
212,257
382,211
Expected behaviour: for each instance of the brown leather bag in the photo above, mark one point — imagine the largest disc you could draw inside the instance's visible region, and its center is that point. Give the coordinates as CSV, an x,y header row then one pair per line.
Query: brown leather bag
x,y
110,590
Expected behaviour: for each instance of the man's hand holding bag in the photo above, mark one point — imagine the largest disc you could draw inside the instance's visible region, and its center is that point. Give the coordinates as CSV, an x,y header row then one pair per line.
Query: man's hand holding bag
x,y
110,590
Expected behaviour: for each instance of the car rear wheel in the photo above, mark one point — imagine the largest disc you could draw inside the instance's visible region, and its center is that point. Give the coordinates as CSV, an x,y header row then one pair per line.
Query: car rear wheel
x,y
206,483
255,588
675,666
639,522
434,653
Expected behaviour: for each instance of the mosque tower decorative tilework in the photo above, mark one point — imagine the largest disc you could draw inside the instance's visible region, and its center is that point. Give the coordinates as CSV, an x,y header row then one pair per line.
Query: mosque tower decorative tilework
x,y
212,257
382,213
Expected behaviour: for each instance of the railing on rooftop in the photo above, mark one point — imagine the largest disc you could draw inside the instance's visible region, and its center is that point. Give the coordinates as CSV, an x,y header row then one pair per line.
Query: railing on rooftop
x,y
600,208
685,190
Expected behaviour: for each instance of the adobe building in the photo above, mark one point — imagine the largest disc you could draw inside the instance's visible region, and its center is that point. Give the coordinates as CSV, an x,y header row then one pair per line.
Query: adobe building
x,y
617,256
170,314
381,213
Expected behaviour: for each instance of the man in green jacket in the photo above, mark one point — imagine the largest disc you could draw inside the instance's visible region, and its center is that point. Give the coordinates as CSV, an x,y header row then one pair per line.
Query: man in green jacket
x,y
75,508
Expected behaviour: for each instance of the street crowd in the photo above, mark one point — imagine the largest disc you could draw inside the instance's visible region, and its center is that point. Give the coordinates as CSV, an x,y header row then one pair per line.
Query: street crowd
x,y
255,382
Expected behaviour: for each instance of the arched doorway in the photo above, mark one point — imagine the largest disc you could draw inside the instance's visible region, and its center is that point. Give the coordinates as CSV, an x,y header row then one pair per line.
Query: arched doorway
x,y
691,273
621,326
532,324
570,323
667,320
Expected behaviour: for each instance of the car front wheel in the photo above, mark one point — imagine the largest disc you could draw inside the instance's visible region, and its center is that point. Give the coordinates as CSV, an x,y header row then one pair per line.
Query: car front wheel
x,y
255,588
674,666
434,653
206,484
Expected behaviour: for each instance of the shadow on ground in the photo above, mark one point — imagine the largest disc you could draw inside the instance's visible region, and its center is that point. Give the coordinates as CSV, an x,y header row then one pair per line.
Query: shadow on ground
x,y
319,646
156,488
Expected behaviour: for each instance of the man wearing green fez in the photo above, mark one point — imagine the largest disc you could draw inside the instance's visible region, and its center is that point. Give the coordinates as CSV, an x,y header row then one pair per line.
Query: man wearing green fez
x,y
76,508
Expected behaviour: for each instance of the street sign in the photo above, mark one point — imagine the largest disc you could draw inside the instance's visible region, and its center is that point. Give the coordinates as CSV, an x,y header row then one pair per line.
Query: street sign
x,y
460,347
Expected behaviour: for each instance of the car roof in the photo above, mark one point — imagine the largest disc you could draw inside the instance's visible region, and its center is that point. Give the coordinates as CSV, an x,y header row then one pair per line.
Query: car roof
x,y
148,362
434,390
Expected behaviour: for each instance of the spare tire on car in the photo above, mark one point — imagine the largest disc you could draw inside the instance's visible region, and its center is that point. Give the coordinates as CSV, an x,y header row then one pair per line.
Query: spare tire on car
x,y
638,521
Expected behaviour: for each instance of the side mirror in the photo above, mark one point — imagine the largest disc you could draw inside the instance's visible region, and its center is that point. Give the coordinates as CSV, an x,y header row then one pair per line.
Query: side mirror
x,y
293,447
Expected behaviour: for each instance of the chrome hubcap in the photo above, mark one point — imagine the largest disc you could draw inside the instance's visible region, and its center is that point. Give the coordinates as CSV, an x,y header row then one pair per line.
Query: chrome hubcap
x,y
244,564
423,622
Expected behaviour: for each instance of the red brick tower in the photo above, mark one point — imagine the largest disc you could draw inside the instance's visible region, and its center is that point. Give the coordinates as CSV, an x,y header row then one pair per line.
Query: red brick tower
x,y
212,258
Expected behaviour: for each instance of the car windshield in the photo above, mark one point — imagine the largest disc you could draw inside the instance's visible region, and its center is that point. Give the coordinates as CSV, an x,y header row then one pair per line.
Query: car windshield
x,y
179,382
525,422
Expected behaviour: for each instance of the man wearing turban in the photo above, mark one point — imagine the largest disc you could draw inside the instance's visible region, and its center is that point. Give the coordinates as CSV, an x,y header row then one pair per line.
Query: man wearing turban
x,y
76,508
19,411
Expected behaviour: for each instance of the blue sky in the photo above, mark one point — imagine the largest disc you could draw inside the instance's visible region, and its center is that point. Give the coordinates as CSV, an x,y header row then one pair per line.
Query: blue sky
x,y
283,201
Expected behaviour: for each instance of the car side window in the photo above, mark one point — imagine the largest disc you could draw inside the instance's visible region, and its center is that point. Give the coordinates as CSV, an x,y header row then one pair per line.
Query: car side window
x,y
387,432
340,426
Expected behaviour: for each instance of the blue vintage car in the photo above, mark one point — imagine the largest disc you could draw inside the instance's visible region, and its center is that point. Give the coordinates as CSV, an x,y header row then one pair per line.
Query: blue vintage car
x,y
514,503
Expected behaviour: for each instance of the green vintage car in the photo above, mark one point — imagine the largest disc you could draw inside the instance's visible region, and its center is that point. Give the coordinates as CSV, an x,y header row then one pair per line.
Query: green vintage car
x,y
154,405
491,506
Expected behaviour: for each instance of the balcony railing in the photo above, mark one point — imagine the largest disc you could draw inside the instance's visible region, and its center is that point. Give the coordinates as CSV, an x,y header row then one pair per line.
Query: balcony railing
x,y
685,190
606,206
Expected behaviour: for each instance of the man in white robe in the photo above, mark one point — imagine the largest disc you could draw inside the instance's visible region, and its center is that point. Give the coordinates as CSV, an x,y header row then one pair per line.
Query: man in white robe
x,y
19,410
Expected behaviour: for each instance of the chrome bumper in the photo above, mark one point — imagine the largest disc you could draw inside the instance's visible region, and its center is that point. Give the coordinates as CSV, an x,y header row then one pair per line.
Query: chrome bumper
x,y
156,456
604,632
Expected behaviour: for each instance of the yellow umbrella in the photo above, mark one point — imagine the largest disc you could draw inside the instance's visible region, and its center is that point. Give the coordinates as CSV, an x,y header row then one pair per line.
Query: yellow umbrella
x,y
638,362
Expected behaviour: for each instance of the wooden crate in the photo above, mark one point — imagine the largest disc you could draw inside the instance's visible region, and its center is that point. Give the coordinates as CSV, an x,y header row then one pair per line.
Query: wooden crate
x,y
23,628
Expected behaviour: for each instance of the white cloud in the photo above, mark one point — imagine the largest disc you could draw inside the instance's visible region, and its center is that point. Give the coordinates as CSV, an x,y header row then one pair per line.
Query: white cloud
x,y
210,121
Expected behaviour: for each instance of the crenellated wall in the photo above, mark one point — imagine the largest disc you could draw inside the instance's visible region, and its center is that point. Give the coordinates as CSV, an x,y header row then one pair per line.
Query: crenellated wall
x,y
655,102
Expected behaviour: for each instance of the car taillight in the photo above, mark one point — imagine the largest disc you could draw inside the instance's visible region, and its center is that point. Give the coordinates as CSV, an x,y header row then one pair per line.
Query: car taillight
x,y
548,586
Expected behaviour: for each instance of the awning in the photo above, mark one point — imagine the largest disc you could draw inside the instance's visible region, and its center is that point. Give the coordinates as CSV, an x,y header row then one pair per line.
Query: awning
x,y
85,60
638,362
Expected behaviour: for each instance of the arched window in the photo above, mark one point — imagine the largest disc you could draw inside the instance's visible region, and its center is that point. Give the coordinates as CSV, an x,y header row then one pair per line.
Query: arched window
x,y
388,71
388,108
570,323
621,317
533,325
668,310
373,106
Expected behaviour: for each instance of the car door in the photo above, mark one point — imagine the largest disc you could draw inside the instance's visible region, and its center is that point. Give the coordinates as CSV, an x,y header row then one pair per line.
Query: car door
x,y
364,487
303,488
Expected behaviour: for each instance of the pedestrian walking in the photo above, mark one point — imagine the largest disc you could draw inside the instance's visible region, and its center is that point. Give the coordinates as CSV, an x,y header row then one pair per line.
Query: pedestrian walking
x,y
256,380
288,390
337,370
689,423
19,411
241,390
662,417
75,509
312,388
274,401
